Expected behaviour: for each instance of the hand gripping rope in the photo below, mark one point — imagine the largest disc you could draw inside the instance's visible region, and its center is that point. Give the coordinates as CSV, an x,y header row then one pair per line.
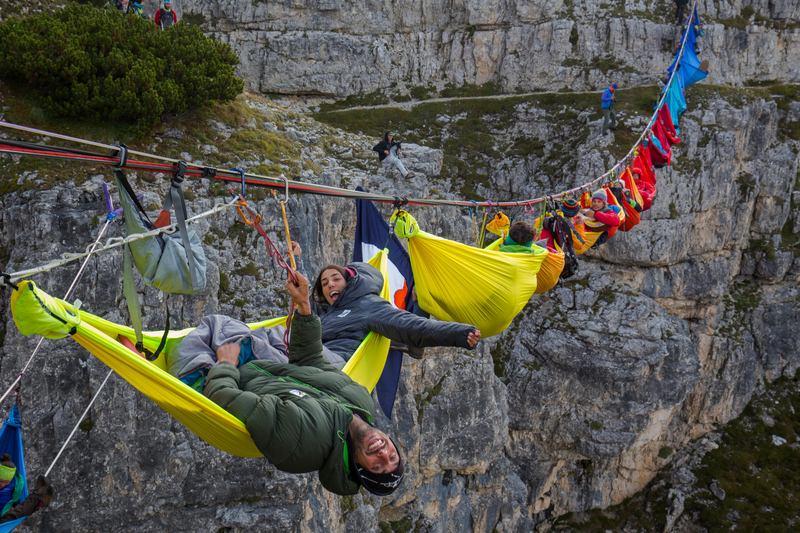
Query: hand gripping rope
x,y
272,251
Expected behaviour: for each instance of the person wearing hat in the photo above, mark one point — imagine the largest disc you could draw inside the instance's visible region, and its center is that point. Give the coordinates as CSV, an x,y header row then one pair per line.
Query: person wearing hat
x,y
601,217
11,487
571,212
306,415
388,149
166,16
607,105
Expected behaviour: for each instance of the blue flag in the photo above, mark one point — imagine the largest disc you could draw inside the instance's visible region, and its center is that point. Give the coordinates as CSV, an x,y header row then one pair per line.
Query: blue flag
x,y
371,234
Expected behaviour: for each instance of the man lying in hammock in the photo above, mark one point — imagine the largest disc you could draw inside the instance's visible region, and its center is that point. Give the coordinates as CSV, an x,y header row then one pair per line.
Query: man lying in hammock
x,y
347,300
307,415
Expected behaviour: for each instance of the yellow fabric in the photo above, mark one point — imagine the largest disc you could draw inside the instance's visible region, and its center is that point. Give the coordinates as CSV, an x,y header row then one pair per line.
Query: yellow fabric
x,y
550,272
499,225
589,238
43,314
464,284
199,414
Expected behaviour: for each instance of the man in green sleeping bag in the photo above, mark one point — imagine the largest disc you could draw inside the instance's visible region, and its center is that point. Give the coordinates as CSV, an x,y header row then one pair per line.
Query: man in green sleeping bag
x,y
307,415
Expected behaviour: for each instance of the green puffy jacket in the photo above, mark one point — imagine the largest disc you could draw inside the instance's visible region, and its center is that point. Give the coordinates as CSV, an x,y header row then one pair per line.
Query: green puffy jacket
x,y
298,413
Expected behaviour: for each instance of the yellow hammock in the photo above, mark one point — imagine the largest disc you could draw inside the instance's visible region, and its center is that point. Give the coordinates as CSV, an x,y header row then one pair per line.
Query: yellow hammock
x,y
464,284
36,312
549,273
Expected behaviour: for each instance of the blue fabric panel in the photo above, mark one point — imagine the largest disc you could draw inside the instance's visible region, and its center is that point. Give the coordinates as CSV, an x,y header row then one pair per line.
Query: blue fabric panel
x,y
11,443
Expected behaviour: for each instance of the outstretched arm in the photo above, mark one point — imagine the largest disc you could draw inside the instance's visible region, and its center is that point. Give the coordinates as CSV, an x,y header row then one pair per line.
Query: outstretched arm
x,y
402,326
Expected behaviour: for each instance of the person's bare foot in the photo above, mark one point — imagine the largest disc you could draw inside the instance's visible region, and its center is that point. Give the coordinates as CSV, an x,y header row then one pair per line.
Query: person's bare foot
x,y
410,175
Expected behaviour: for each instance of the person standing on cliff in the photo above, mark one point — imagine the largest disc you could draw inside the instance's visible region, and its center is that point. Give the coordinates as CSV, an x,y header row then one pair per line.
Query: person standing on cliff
x,y
166,16
306,415
680,5
388,150
607,105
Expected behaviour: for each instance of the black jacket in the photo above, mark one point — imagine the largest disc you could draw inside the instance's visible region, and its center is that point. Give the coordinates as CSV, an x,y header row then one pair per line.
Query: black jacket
x,y
359,309
384,146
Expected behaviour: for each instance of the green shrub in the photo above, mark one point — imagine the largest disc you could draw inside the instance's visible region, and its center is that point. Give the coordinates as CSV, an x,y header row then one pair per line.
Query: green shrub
x,y
94,63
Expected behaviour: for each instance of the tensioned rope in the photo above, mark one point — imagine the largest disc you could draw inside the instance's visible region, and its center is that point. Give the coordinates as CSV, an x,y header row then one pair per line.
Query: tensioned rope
x,y
193,170
113,242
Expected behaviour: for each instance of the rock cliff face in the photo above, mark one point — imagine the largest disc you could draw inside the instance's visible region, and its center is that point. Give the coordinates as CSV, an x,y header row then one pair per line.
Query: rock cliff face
x,y
336,48
666,331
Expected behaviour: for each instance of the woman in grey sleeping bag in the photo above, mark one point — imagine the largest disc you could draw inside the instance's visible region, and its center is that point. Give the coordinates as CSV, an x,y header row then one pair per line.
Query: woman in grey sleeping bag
x,y
348,302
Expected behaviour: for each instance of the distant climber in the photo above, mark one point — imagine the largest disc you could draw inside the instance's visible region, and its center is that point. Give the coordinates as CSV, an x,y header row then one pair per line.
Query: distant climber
x,y
122,6
11,485
388,150
138,8
680,5
166,16
607,104
307,415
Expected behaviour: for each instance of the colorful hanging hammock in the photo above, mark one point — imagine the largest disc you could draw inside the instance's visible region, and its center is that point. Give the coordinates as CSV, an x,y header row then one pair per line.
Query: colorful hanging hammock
x,y
11,443
36,312
464,284
550,271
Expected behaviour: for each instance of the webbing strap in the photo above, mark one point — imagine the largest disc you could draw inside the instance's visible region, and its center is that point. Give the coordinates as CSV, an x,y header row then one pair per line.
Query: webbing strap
x,y
120,175
176,200
132,300
131,297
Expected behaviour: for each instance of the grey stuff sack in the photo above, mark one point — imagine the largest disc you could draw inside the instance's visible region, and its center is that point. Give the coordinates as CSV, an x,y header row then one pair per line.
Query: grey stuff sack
x,y
161,259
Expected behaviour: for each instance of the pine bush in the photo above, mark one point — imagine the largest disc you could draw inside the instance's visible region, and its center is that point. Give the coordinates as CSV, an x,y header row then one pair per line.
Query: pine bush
x,y
92,63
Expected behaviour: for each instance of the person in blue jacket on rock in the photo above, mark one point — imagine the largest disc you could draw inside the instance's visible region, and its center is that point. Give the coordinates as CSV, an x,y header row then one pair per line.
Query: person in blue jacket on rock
x,y
607,104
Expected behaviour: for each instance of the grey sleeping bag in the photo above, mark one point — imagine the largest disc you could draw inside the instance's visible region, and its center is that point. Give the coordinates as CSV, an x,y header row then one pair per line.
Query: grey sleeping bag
x,y
198,349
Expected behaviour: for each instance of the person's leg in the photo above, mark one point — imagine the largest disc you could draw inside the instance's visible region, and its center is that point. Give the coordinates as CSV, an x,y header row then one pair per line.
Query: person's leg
x,y
613,115
606,115
392,159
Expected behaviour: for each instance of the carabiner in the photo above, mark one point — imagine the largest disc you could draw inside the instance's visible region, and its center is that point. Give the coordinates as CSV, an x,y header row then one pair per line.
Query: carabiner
x,y
244,185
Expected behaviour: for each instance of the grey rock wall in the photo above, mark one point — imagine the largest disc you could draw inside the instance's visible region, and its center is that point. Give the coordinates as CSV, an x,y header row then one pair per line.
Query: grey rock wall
x,y
666,331
334,48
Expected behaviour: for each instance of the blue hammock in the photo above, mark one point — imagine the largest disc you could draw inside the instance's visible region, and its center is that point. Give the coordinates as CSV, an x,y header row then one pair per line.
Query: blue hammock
x,y
11,443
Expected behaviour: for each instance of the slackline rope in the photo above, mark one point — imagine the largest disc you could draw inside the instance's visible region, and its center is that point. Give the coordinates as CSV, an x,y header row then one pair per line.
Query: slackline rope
x,y
114,242
80,420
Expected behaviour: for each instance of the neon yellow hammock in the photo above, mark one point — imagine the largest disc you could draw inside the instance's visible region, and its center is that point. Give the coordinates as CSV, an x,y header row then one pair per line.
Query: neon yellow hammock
x,y
464,284
36,312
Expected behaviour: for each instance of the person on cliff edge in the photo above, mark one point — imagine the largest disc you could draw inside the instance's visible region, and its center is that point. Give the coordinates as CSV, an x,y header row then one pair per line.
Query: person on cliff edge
x,y
307,415
607,105
166,16
388,150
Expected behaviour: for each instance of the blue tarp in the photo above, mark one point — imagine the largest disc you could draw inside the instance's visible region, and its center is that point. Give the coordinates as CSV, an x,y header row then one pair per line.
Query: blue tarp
x,y
11,443
690,67
675,101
